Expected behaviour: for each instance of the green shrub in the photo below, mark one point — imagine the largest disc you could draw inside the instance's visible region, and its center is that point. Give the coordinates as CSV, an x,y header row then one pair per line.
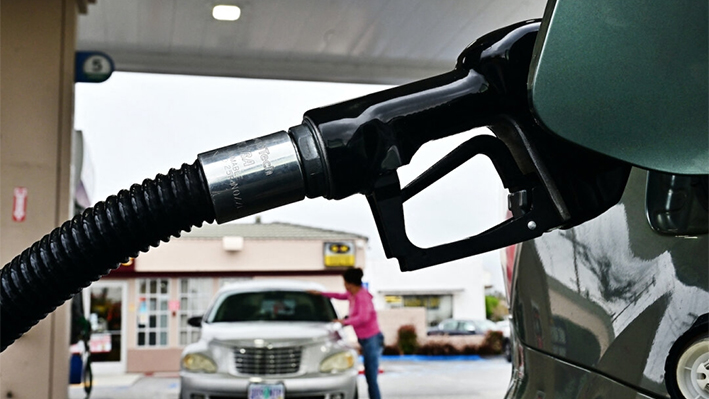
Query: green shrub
x,y
407,340
391,350
490,304
470,350
437,349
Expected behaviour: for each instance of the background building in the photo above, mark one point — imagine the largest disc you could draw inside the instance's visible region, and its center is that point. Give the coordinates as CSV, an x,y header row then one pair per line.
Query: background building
x,y
139,312
452,290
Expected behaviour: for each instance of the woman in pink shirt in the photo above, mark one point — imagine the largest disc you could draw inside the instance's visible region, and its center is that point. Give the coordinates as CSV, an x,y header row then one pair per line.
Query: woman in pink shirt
x,y
363,318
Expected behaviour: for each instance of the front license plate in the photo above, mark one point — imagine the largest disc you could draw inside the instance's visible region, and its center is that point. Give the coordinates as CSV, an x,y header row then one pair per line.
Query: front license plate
x,y
267,391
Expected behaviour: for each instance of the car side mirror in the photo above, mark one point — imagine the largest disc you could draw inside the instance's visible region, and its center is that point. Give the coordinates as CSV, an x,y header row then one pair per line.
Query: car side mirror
x,y
195,321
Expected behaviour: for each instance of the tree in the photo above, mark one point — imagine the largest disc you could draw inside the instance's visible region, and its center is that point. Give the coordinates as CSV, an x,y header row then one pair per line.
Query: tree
x,y
491,303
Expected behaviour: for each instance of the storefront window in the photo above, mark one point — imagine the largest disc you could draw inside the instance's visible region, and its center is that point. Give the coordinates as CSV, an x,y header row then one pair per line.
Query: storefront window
x,y
153,320
195,294
106,318
438,307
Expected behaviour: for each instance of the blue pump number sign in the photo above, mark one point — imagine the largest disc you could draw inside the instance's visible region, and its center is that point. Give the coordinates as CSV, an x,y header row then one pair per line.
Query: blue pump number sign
x,y
93,67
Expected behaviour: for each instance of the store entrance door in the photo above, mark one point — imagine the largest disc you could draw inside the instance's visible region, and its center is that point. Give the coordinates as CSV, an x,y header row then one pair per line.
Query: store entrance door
x,y
106,304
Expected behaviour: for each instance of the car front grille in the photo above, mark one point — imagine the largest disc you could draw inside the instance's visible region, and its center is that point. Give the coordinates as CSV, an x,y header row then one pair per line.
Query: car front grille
x,y
267,361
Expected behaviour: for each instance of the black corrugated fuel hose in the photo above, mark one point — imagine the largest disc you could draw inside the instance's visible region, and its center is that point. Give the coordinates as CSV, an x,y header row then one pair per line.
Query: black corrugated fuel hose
x,y
93,243
223,184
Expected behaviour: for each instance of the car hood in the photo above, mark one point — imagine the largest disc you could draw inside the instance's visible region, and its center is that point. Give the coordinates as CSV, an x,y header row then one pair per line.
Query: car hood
x,y
268,331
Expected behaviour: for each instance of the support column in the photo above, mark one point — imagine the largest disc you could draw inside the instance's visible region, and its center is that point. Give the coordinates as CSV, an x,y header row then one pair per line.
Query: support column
x,y
37,45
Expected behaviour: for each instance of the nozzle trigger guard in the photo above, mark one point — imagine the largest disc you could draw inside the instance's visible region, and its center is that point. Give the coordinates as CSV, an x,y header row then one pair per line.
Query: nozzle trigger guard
x,y
533,211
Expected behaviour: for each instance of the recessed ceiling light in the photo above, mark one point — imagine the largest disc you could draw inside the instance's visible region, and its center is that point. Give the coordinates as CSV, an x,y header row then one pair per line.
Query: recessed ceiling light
x,y
226,13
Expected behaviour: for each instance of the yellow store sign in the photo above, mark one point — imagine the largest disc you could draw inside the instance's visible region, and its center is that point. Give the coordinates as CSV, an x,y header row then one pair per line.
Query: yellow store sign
x,y
339,254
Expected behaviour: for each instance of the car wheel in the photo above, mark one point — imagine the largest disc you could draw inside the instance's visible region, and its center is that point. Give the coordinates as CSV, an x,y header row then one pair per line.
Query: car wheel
x,y
687,366
356,394
507,350
88,379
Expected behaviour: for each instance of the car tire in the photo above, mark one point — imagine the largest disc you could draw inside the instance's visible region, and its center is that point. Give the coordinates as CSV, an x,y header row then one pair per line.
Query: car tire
x,y
688,361
507,350
88,378
356,394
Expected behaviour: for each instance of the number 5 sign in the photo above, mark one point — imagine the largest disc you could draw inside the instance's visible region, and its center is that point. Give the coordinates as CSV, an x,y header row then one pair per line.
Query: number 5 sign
x,y
92,67
19,204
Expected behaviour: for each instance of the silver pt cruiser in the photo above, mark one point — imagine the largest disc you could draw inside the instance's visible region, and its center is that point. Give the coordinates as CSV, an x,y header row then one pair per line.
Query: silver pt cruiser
x,y
269,340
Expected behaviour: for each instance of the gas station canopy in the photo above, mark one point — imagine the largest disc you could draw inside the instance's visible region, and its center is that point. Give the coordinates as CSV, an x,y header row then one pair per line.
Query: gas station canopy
x,y
363,41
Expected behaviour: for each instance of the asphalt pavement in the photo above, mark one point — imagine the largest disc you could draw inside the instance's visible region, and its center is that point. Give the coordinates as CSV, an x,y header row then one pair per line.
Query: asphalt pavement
x,y
449,379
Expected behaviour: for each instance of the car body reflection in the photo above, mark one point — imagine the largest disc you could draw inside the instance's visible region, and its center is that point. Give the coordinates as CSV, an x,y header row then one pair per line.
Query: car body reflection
x,y
608,299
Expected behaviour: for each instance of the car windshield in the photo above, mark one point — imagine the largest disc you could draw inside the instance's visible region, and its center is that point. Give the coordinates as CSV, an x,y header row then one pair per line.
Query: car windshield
x,y
484,325
274,306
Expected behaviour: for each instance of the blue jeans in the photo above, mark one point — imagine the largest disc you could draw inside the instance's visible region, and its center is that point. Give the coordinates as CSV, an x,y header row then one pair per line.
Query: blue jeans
x,y
371,350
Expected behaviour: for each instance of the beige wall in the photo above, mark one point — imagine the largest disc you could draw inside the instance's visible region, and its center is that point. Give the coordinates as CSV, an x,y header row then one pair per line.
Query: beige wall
x,y
36,110
202,255
130,319
153,360
391,319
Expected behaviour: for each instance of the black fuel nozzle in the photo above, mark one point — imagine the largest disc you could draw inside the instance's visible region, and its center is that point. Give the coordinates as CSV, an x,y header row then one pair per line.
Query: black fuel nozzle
x,y
345,148
357,146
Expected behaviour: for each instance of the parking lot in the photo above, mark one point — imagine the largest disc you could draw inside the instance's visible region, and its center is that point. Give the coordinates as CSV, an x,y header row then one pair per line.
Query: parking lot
x,y
480,379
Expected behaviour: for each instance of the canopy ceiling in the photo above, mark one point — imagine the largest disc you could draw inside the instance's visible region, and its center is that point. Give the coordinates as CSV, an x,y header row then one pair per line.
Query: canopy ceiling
x,y
367,41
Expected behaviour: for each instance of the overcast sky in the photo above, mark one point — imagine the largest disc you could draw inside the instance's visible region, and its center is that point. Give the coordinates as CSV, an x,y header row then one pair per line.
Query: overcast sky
x,y
138,125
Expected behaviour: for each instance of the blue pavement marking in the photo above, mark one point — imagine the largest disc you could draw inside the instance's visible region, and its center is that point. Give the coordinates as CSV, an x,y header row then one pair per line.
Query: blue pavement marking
x,y
422,358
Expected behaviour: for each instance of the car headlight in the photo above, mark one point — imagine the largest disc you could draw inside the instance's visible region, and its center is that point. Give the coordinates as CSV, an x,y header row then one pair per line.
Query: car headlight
x,y
197,362
337,362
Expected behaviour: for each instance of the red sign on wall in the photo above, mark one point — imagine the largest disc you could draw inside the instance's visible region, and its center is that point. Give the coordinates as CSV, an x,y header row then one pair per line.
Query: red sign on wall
x,y
19,204
173,305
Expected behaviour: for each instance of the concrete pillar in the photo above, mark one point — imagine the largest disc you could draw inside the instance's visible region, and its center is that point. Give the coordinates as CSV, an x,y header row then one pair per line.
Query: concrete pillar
x,y
37,45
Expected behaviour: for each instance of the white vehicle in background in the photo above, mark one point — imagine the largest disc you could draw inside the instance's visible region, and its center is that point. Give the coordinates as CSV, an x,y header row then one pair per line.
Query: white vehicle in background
x,y
269,340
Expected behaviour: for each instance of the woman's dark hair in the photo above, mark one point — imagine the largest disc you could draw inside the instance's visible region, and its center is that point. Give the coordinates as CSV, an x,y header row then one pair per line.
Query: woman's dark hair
x,y
353,276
